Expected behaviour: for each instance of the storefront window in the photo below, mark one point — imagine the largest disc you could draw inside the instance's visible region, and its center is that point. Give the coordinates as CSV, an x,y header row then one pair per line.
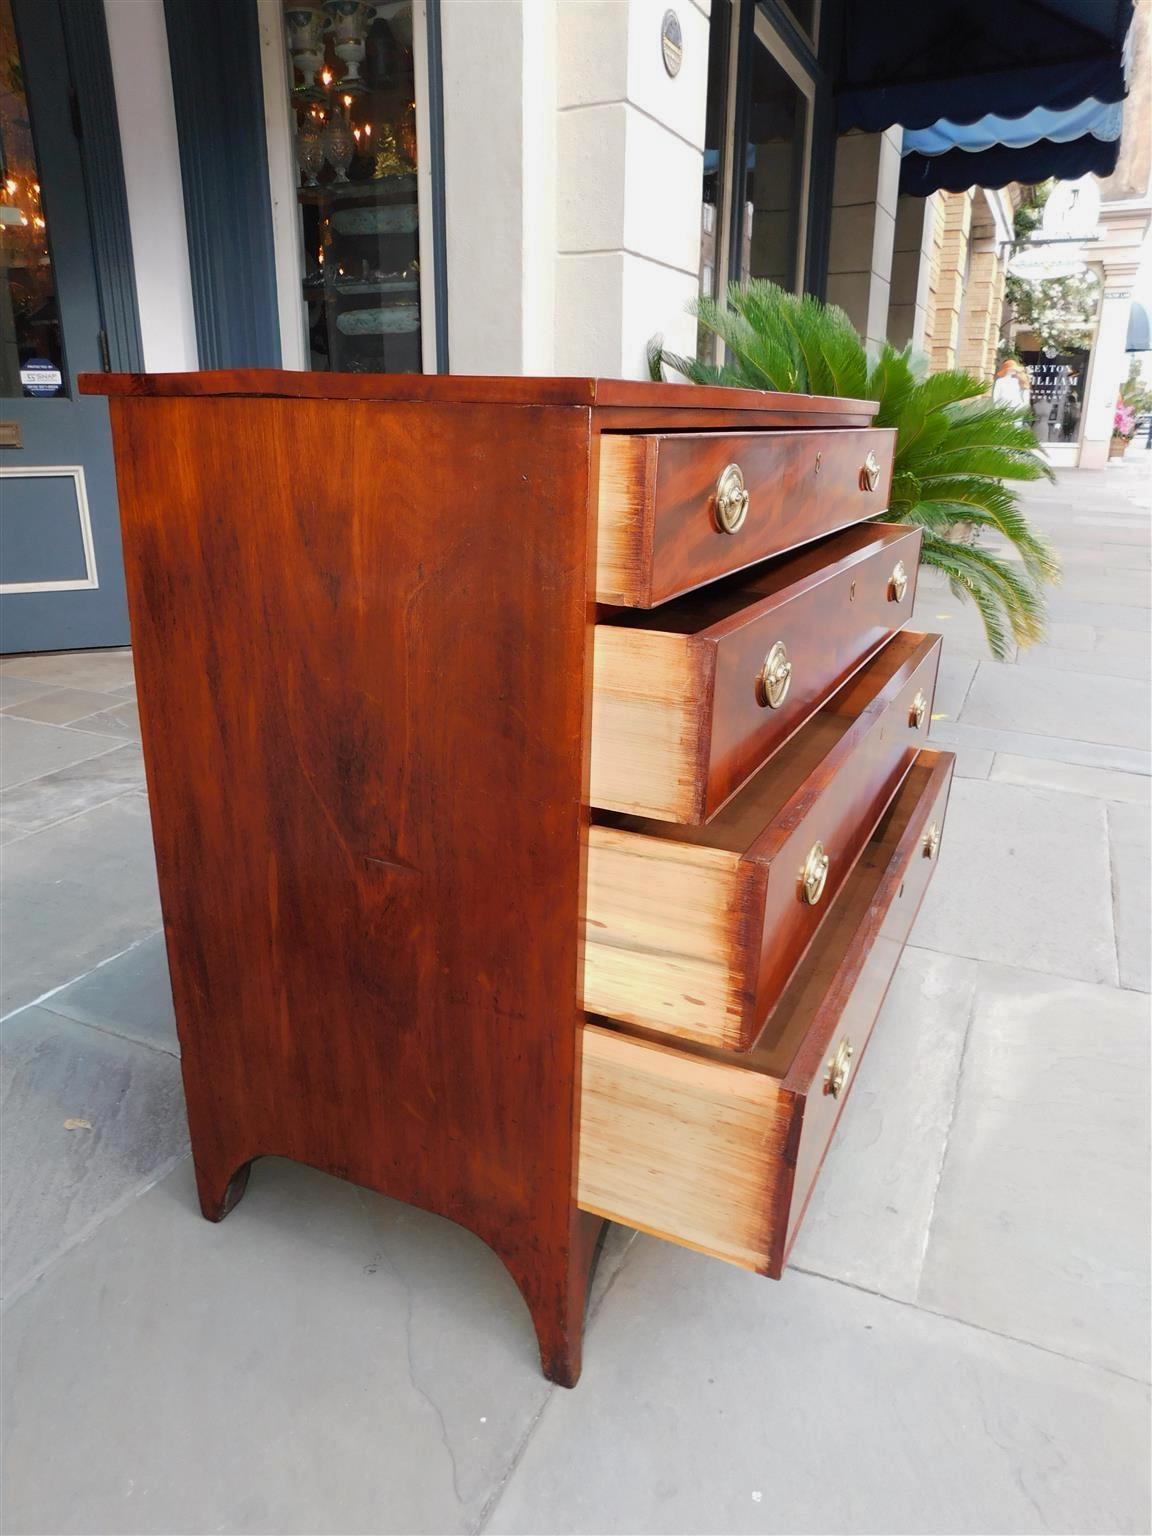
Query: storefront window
x,y
776,144
354,105
31,346
1056,394
712,277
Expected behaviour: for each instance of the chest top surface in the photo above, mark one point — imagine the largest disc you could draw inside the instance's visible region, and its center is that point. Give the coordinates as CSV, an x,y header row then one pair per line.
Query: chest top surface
x,y
615,396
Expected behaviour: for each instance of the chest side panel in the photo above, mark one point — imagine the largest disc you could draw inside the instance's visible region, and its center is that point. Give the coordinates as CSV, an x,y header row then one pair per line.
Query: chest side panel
x,y
360,640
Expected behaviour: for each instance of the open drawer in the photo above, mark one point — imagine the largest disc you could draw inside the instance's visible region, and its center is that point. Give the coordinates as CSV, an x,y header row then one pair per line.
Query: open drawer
x,y
678,509
688,701
719,1151
694,931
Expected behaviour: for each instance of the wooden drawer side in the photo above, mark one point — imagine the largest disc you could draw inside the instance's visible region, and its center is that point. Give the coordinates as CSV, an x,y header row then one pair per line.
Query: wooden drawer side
x,y
686,954
681,1148
651,705
624,519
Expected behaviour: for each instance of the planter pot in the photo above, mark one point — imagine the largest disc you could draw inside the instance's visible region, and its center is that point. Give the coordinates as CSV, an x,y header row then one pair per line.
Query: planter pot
x,y
1116,447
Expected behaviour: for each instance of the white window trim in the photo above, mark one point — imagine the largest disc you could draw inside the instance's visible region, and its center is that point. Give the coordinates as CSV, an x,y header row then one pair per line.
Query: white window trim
x,y
799,25
75,473
287,238
792,67
287,233
728,154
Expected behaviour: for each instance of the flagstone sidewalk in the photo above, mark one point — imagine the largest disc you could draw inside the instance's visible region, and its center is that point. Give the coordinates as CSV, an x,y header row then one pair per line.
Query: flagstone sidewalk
x,y
961,1342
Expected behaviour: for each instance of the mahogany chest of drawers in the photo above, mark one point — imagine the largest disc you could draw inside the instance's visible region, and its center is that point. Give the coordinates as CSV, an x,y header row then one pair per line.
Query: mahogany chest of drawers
x,y
539,788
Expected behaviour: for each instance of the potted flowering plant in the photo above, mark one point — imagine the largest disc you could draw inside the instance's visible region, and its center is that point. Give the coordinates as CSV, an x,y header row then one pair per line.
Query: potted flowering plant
x,y
1123,430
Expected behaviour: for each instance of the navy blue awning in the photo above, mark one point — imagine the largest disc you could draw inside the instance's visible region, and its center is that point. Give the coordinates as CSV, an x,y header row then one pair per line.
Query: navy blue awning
x,y
987,91
915,61
959,169
1067,142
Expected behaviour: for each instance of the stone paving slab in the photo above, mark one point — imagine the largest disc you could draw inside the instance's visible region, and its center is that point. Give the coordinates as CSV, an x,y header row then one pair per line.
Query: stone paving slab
x,y
1041,1223
1100,783
99,670
59,707
1130,845
1042,702
86,1120
29,749
1062,749
68,791
75,894
324,1360
713,1401
1052,658
1002,891
130,996
869,1216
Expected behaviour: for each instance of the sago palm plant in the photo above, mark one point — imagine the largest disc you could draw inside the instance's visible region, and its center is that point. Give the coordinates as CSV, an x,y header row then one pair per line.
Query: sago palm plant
x,y
954,450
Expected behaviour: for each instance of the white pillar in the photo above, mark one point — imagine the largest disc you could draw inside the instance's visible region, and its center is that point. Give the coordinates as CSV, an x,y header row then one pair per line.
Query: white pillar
x,y
911,271
499,137
574,165
864,197
142,77
1125,227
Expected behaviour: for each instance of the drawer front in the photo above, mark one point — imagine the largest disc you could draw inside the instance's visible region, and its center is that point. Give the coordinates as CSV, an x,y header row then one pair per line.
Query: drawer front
x,y
695,933
835,1049
711,1150
825,634
838,813
677,510
681,720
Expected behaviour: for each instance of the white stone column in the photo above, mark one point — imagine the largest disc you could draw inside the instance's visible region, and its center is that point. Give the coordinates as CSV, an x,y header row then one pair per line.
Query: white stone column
x,y
864,197
909,296
499,61
574,165
142,79
1125,228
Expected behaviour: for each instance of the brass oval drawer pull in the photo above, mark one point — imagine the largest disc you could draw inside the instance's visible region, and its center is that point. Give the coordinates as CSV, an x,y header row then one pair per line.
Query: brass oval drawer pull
x,y
775,677
932,840
814,875
731,499
897,583
917,711
839,1066
869,473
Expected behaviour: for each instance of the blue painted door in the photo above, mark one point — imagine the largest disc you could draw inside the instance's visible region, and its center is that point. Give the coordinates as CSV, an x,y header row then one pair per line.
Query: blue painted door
x,y
61,574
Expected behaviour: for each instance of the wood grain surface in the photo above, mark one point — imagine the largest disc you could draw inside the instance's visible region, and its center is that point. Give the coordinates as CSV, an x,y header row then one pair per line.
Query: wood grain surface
x,y
364,615
356,683
625,395
678,722
695,931
658,535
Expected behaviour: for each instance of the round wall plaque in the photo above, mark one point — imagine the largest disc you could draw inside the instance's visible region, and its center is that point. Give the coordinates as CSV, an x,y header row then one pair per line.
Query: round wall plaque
x,y
672,42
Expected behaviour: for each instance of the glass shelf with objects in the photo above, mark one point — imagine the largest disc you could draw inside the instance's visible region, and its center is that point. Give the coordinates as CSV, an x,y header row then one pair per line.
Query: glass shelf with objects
x,y
354,108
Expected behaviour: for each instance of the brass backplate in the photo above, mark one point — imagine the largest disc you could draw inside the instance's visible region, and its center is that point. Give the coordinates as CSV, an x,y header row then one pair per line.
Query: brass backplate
x,y
839,1065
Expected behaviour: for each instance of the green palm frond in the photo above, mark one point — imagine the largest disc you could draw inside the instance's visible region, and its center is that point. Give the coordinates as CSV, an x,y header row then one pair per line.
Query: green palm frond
x,y
957,453
1007,600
